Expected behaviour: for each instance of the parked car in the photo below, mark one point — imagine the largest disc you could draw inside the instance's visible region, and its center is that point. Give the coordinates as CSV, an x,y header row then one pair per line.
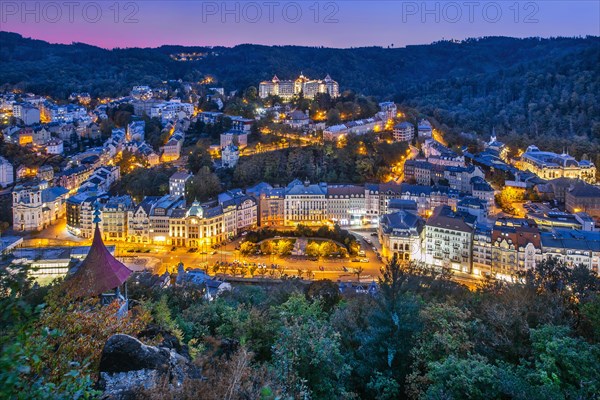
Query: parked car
x,y
364,260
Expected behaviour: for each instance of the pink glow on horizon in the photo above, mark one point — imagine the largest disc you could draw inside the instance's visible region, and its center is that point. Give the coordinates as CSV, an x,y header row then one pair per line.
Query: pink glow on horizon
x,y
382,23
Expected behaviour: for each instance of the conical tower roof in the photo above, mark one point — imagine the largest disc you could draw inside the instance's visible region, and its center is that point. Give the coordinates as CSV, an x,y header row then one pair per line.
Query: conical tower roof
x,y
99,272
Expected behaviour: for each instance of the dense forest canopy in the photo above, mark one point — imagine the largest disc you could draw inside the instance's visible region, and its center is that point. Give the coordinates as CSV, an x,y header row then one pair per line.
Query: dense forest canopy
x,y
529,87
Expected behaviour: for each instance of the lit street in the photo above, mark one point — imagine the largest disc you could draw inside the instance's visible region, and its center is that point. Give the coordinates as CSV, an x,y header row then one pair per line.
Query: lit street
x,y
168,257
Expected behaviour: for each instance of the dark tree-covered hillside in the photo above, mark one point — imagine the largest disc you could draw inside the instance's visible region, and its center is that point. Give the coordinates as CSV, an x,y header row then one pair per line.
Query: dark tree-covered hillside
x,y
525,87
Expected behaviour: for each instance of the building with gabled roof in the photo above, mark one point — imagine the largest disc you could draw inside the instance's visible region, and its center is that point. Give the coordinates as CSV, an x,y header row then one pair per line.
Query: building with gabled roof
x,y
138,221
516,246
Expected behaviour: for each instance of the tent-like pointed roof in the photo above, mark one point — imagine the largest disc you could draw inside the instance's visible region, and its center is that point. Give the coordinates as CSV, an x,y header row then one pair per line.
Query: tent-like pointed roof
x,y
99,272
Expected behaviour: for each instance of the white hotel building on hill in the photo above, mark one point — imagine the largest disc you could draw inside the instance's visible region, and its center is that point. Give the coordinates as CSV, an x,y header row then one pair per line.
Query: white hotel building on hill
x,y
287,89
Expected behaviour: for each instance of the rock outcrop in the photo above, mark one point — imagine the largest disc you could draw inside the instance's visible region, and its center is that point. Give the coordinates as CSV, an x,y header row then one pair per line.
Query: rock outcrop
x,y
128,366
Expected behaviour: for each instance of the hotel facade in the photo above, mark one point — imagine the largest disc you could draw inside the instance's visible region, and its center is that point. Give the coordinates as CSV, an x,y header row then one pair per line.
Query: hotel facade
x,y
287,89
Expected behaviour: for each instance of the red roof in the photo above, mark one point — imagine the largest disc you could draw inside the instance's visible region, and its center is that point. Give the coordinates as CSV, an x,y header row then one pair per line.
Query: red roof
x,y
99,272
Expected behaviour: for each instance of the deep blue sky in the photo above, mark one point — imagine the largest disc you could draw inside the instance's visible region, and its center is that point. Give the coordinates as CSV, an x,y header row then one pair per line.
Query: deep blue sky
x,y
150,23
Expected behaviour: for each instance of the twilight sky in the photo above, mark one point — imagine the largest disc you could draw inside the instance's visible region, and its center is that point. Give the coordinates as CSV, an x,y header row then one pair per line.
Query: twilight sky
x,y
343,23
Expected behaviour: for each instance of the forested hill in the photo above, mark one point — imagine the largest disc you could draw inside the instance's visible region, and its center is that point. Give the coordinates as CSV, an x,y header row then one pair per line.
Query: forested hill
x,y
527,86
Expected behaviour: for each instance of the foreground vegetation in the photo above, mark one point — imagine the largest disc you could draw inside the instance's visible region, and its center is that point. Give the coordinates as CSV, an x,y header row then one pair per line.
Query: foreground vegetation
x,y
420,337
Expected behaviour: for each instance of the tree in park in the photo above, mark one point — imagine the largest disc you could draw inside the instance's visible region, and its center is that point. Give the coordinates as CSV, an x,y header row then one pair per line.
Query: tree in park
x,y
247,248
313,249
358,272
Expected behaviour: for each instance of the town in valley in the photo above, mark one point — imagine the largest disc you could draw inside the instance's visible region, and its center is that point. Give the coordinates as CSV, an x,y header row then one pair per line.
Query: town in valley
x,y
486,214
290,221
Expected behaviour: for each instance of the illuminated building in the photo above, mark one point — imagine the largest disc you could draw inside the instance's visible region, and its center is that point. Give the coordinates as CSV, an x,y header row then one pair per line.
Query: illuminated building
x,y
305,203
237,138
6,172
346,204
171,151
27,113
138,221
197,227
272,207
573,247
404,132
45,173
36,207
54,146
425,129
114,218
177,183
448,239
388,110
50,112
583,197
459,178
244,210
171,110
159,217
143,93
496,147
548,165
72,178
287,89
437,153
297,119
516,246
358,127
230,156
481,189
136,131
482,251
400,235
